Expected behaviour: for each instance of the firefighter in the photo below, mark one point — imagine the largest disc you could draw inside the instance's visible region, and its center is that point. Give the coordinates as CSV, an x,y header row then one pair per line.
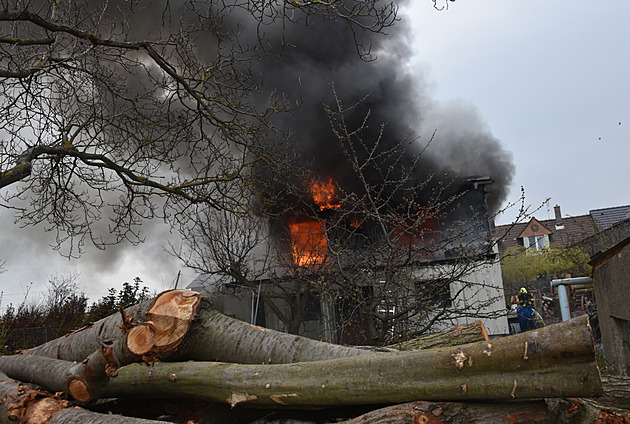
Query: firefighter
x,y
526,310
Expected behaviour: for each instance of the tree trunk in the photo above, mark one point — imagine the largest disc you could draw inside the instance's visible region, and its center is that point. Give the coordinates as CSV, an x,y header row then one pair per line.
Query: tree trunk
x,y
166,322
152,327
83,381
24,405
82,416
526,412
555,361
48,373
463,334
214,336
217,337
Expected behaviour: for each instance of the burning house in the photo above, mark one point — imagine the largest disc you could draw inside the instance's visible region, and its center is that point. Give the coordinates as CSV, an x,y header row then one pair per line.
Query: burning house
x,y
377,233
337,272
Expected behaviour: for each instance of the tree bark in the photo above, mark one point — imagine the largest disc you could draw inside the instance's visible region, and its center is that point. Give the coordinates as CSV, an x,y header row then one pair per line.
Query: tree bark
x,y
24,405
83,381
526,412
152,327
82,416
462,334
166,323
216,337
555,361
46,372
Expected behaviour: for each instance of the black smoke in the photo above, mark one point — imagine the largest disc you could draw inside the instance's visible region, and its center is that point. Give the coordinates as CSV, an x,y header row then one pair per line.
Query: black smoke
x,y
304,61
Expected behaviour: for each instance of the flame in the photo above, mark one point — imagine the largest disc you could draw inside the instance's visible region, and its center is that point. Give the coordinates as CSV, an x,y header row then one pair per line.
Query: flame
x,y
324,193
308,240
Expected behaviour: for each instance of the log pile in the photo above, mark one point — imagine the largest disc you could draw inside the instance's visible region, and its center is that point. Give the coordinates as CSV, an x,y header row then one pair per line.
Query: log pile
x,y
189,363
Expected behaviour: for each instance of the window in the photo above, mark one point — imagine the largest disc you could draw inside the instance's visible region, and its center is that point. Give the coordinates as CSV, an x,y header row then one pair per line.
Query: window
x,y
535,242
434,293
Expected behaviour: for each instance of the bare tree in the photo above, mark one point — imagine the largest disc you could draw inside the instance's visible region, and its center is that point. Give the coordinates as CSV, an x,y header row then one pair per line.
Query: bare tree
x,y
242,251
136,110
405,243
390,252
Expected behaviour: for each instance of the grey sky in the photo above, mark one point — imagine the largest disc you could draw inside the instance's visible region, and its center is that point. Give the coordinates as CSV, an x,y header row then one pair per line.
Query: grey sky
x,y
29,259
550,79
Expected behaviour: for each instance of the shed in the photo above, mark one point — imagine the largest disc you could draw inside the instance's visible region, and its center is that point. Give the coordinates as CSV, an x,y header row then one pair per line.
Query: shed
x,y
611,278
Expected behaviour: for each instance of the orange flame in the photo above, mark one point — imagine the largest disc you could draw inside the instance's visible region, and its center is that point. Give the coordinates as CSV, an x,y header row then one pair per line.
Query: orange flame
x,y
308,240
324,193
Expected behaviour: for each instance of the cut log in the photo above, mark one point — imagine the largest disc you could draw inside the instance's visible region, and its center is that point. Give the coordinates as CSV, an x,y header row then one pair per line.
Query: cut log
x,y
214,336
82,416
526,412
151,328
555,361
55,375
24,405
45,372
167,321
211,335
217,337
462,334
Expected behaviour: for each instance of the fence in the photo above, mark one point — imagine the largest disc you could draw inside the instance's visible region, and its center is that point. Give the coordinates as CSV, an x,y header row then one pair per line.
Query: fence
x,y
24,338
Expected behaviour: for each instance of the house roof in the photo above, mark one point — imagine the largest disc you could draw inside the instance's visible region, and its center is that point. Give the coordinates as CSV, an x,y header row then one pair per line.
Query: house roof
x,y
573,229
607,217
534,228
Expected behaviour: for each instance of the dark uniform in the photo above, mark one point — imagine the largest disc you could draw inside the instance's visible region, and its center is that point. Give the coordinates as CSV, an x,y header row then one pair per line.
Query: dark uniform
x,y
526,310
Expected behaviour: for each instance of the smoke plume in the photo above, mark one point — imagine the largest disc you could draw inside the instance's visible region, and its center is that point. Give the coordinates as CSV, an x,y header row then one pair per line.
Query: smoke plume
x,y
325,53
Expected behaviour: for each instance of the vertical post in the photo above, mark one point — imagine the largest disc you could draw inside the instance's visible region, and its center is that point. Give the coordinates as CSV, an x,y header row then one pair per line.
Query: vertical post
x,y
257,304
563,298
251,315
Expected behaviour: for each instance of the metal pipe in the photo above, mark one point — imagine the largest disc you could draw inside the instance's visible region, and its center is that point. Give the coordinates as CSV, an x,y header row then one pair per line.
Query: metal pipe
x,y
571,281
563,298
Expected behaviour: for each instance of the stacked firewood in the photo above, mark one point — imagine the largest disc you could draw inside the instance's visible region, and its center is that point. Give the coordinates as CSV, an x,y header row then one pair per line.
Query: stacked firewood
x,y
189,363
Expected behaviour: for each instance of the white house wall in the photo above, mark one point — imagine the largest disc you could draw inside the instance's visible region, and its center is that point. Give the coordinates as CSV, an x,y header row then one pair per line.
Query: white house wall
x,y
480,294
483,294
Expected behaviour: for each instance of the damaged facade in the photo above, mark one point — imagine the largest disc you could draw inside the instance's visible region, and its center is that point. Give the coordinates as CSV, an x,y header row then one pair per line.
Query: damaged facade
x,y
462,277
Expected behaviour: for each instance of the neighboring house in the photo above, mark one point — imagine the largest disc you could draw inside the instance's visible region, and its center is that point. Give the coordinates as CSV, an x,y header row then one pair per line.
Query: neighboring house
x,y
611,279
594,232
582,230
478,293
610,233
537,234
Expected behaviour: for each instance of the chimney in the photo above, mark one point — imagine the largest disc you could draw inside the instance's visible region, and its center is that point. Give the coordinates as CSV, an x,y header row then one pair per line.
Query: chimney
x,y
559,224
